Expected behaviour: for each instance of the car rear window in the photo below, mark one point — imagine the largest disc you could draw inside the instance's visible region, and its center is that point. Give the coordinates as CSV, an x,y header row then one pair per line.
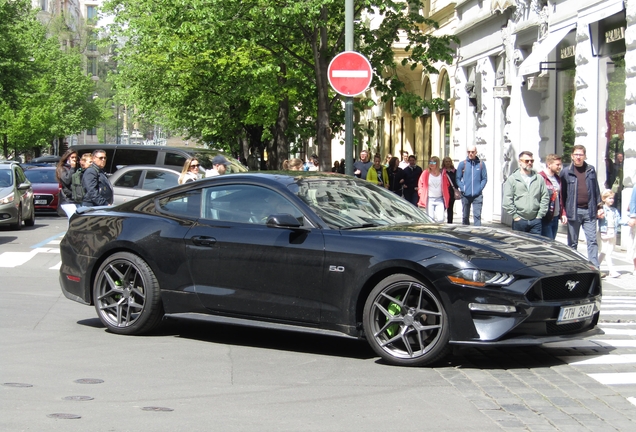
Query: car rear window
x,y
124,157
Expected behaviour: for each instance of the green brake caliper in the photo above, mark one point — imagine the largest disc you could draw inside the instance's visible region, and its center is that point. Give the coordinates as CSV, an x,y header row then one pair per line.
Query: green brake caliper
x,y
394,309
118,283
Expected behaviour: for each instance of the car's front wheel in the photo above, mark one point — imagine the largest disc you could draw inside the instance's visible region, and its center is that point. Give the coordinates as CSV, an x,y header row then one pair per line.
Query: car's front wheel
x,y
405,322
126,295
31,220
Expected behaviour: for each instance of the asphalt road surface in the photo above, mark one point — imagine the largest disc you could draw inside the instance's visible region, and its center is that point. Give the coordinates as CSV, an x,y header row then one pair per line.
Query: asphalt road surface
x,y
60,370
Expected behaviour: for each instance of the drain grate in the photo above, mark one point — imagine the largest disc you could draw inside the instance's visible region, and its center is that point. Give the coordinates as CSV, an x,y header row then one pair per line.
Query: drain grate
x,y
78,398
64,416
154,408
89,381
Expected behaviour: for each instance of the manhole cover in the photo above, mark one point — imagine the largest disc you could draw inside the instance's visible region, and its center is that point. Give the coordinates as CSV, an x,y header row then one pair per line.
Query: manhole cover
x,y
78,398
64,416
151,408
17,385
89,381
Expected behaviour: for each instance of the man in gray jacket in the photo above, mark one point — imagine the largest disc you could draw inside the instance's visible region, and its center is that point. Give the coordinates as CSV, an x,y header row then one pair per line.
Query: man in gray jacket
x,y
526,196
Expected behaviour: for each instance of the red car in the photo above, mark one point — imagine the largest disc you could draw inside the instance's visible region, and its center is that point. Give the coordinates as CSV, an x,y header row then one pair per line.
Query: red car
x,y
46,189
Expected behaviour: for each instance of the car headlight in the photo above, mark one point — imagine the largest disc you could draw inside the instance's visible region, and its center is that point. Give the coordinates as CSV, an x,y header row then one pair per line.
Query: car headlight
x,y
480,278
7,199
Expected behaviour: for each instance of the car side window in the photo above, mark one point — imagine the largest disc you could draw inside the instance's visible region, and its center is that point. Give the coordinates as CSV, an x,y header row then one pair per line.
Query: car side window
x,y
124,157
186,204
130,179
20,175
174,159
245,204
159,180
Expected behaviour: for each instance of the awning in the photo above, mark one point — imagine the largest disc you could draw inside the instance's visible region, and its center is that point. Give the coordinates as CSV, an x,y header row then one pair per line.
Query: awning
x,y
532,64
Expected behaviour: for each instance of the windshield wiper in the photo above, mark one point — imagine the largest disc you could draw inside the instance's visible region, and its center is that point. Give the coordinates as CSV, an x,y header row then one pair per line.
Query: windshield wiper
x,y
366,225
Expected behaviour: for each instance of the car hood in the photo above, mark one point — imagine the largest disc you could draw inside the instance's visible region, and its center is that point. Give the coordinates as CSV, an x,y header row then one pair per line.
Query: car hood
x,y
4,191
484,243
45,188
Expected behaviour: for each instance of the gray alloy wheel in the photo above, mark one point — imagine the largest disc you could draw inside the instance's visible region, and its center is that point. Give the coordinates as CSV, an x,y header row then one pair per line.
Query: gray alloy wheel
x,y
405,323
126,295
18,225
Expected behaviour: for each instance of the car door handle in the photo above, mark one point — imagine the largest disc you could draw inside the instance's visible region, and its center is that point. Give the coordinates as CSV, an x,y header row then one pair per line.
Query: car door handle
x,y
203,240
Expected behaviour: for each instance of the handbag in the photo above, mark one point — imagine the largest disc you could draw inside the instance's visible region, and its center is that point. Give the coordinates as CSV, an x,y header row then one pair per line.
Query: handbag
x,y
616,187
458,194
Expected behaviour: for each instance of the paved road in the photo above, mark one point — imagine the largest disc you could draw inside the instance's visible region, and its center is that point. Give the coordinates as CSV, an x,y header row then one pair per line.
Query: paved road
x,y
204,376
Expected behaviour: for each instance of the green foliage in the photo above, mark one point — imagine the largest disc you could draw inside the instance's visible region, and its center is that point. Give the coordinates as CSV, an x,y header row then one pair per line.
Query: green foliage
x,y
221,69
49,96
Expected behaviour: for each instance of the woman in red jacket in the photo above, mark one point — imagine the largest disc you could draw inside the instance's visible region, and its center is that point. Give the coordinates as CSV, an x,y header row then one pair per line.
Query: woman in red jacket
x,y
433,190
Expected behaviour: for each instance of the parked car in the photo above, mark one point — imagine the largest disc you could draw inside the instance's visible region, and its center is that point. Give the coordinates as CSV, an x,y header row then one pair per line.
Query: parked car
x,y
327,252
136,181
50,160
121,155
16,197
46,188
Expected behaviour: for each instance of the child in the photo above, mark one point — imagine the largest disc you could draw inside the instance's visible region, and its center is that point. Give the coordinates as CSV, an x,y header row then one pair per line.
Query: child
x,y
609,226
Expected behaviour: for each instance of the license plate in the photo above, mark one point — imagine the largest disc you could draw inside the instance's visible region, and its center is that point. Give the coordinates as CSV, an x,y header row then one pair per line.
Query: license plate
x,y
37,202
575,313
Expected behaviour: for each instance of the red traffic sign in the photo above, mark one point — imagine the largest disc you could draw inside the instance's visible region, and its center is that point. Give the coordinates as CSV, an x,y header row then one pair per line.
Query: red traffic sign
x,y
350,73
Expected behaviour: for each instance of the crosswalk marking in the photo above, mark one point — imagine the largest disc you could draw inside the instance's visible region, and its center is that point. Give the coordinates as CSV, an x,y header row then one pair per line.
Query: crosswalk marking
x,y
618,378
599,359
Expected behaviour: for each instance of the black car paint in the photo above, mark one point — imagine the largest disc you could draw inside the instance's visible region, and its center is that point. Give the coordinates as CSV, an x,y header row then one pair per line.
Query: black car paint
x,y
324,298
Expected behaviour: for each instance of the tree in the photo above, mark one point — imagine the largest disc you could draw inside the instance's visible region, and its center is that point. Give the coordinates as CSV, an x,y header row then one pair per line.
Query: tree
x,y
219,66
49,96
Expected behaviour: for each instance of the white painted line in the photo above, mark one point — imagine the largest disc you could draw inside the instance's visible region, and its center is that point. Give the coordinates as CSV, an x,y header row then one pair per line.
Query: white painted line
x,y
618,343
617,312
592,343
47,250
632,400
608,359
56,266
619,324
349,73
14,259
616,378
623,332
57,242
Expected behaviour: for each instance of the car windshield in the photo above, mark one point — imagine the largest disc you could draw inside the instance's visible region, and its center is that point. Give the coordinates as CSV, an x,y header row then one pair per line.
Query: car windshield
x,y
40,176
350,203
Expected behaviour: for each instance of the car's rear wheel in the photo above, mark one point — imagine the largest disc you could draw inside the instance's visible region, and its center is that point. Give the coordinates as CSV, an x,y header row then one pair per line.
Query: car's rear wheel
x,y
18,224
126,295
31,220
405,322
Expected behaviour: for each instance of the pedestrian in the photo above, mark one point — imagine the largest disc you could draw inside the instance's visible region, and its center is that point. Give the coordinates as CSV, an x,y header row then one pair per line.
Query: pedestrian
x,y
432,189
396,176
405,160
609,227
63,174
336,166
219,166
471,180
556,209
341,167
378,173
76,180
525,196
293,164
387,159
190,171
314,163
453,190
412,175
98,190
631,209
361,167
581,196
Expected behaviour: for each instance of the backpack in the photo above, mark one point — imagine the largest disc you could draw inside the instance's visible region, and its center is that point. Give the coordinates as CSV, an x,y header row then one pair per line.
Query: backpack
x,y
76,186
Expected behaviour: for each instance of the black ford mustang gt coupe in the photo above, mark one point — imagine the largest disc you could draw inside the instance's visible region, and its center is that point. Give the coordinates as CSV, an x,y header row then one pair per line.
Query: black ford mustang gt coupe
x,y
327,252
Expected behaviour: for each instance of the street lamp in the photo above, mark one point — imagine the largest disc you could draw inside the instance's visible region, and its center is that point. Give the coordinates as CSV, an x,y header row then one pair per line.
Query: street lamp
x,y
117,126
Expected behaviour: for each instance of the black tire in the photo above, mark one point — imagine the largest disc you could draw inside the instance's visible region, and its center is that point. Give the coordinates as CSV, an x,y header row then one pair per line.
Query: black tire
x,y
405,322
18,225
126,295
31,220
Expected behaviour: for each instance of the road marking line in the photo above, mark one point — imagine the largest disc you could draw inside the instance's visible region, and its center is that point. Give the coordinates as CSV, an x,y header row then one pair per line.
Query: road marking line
x,y
616,378
624,332
56,266
599,359
14,259
48,240
632,400
617,312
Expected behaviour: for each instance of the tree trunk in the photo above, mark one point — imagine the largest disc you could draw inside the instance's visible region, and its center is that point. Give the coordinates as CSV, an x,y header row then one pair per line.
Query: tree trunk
x,y
321,62
280,147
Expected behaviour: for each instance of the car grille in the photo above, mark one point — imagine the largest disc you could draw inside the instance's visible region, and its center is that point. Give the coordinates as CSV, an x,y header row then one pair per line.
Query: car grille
x,y
565,287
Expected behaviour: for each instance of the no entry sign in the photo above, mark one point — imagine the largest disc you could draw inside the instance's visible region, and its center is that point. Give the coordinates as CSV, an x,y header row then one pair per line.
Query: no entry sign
x,y
350,73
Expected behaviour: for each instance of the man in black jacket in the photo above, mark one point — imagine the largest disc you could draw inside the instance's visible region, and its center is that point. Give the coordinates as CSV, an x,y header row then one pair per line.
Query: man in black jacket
x,y
581,197
412,175
97,187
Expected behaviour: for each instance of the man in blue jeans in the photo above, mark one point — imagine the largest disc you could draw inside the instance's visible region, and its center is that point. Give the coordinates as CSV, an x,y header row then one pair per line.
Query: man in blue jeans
x,y
471,180
581,197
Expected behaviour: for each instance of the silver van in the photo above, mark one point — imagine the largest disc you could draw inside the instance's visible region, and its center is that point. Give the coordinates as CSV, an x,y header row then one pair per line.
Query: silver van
x,y
121,155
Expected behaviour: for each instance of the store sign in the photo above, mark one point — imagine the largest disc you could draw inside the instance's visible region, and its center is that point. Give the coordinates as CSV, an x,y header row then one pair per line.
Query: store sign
x,y
568,51
615,35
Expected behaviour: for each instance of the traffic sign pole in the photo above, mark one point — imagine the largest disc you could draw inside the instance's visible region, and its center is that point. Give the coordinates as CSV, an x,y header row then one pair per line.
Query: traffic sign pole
x,y
349,157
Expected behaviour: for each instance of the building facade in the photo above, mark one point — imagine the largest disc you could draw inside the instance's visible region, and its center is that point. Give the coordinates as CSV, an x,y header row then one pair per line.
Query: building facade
x,y
537,75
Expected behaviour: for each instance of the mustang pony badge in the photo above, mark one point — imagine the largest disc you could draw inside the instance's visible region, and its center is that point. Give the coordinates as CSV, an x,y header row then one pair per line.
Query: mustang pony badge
x,y
570,285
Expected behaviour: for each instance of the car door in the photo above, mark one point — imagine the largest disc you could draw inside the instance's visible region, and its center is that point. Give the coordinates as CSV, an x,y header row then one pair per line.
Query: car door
x,y
126,186
239,265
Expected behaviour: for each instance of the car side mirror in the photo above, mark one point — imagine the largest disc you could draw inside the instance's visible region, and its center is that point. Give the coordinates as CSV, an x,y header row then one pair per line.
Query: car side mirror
x,y
283,220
